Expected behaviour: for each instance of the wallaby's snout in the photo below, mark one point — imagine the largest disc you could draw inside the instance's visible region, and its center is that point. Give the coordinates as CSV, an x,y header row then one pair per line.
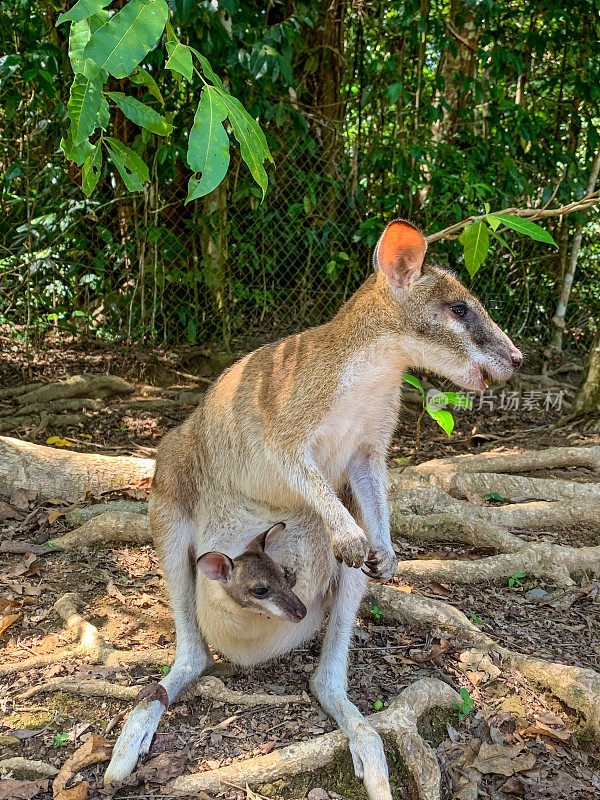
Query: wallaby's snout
x,y
255,581
443,327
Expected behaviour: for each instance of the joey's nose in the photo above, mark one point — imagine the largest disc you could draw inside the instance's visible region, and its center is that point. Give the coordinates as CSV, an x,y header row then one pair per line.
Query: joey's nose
x,y
516,359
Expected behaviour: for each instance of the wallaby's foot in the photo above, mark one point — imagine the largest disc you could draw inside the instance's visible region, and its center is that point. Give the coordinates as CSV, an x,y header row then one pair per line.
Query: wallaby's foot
x,y
135,740
381,563
351,546
370,764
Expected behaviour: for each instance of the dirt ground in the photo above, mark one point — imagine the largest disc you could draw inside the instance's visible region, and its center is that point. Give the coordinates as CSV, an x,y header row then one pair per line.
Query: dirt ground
x,y
124,596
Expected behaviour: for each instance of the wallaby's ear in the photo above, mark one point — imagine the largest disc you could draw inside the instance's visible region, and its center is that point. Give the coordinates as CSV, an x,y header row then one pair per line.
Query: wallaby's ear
x,y
216,566
400,252
266,538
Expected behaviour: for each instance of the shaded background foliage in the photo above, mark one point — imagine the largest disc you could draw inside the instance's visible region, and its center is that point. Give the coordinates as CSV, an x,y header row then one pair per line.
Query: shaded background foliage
x,y
420,109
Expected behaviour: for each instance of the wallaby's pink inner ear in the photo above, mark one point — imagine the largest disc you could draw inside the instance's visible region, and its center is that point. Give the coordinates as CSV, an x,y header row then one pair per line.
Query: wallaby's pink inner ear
x,y
400,253
216,566
273,535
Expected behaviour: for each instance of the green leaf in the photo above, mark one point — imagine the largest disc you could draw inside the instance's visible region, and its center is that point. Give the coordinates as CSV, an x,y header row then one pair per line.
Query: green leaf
x,y
84,106
416,383
476,241
141,114
443,418
121,44
180,59
248,134
79,36
208,70
208,148
492,221
77,154
81,10
130,166
92,167
502,241
526,227
142,78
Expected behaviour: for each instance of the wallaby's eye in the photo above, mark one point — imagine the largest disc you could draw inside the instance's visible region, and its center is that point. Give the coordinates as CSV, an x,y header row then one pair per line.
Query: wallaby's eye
x,y
459,309
260,591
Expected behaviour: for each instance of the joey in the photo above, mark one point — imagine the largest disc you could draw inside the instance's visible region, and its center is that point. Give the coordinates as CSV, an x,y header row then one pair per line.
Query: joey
x,y
254,580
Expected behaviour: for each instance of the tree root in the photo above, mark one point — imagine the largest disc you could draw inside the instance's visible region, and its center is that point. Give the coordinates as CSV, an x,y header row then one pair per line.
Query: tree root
x,y
99,386
577,687
56,473
515,488
551,458
534,516
111,526
90,644
540,560
455,526
398,722
209,687
18,764
54,406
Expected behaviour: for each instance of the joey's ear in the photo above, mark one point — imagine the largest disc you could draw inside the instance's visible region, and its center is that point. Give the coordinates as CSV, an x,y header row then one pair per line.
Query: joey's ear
x,y
400,252
266,539
216,566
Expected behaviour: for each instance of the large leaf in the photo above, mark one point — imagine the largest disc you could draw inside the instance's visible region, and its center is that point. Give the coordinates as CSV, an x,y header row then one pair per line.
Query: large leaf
x,y
443,418
79,36
414,382
208,147
77,154
81,10
92,167
143,78
476,241
250,137
131,167
141,114
120,45
180,59
525,226
84,106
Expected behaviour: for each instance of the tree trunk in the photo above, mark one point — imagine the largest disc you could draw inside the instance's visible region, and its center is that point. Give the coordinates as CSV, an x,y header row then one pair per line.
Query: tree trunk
x,y
558,320
588,393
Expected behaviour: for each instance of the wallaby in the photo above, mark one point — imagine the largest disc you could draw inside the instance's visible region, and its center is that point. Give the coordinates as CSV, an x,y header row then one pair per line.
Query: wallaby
x,y
299,430
253,581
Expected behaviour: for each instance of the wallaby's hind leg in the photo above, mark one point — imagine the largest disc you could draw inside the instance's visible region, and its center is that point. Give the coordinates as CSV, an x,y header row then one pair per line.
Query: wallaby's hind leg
x,y
192,656
329,683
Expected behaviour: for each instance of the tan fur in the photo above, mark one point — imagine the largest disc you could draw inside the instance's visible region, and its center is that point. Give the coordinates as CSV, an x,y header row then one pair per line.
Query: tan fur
x,y
299,431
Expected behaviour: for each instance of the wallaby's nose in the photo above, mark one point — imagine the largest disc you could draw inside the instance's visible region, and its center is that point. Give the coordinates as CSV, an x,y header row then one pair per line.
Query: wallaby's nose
x,y
516,359
300,611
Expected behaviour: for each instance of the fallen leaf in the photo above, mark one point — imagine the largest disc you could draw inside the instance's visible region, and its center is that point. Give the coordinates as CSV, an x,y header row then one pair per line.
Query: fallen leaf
x,y
22,790
7,512
162,768
7,621
57,441
19,499
500,759
77,792
266,747
92,751
54,515
513,786
539,729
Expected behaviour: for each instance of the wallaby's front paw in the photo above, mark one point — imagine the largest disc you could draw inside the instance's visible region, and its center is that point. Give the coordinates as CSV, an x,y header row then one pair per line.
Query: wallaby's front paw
x,y
381,563
351,546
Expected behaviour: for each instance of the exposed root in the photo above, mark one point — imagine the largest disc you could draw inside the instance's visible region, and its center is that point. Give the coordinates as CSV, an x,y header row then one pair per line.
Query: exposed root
x,y
209,687
56,473
515,488
534,516
108,527
90,644
453,526
100,386
540,560
19,764
577,687
551,458
398,722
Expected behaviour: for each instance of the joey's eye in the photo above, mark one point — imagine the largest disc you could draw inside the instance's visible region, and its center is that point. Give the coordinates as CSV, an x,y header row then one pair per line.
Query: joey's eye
x,y
260,591
459,309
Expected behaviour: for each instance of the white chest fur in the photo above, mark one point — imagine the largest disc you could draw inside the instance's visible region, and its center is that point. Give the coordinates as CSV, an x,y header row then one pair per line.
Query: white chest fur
x,y
364,408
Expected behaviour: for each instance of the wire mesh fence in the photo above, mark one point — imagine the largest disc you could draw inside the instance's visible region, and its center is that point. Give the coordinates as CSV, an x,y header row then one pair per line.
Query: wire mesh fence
x,y
227,270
